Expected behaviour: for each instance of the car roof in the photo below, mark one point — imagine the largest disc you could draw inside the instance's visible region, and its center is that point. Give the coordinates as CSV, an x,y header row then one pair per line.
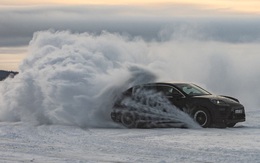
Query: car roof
x,y
166,83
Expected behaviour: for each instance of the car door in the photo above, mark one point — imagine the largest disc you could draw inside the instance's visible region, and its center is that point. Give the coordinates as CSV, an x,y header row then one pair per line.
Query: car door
x,y
173,95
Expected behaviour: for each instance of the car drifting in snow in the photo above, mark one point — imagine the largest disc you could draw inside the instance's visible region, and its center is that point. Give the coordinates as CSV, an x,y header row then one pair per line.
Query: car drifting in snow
x,y
153,105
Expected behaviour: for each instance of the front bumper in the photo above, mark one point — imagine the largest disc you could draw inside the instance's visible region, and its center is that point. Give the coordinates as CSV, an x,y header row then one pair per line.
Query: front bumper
x,y
228,115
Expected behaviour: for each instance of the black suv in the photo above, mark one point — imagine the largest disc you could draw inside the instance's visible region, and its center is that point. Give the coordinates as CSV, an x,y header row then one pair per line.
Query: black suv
x,y
147,105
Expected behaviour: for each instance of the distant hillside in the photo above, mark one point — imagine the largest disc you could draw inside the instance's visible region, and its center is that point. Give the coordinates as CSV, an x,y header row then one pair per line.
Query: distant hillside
x,y
5,74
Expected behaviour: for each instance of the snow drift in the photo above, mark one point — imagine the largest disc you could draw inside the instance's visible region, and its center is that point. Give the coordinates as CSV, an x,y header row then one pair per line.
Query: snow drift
x,y
73,79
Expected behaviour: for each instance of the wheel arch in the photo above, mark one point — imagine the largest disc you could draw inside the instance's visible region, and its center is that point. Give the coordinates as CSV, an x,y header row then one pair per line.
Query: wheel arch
x,y
205,109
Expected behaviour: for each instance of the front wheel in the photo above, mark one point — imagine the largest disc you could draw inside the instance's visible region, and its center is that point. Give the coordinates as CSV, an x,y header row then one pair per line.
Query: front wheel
x,y
202,117
128,119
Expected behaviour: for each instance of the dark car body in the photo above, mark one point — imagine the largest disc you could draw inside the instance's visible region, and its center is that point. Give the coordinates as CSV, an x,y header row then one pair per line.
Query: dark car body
x,y
207,109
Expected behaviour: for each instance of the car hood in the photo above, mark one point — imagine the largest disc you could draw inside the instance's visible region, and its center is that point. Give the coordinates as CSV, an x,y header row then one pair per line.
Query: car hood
x,y
226,99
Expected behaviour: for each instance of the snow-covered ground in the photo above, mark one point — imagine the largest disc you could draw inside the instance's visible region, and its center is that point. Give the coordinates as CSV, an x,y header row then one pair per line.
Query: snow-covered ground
x,y
22,142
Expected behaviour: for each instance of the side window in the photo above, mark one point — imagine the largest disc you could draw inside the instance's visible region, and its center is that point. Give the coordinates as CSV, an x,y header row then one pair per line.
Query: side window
x,y
143,93
141,88
190,90
168,90
149,88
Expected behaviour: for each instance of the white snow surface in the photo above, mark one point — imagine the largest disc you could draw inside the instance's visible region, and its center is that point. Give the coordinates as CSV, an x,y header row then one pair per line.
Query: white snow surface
x,y
58,108
22,142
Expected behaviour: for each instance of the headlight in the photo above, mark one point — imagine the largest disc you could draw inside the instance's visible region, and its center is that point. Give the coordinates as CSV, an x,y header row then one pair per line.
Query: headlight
x,y
219,102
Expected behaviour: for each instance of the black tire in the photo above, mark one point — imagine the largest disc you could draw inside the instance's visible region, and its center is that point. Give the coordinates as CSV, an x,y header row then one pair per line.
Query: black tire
x,y
231,124
202,117
128,119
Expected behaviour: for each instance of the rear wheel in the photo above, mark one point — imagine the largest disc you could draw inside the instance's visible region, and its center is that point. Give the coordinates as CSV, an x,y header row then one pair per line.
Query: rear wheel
x,y
128,119
202,117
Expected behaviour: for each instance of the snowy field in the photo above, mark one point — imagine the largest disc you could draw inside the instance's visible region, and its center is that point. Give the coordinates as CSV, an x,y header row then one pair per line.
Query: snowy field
x,y
22,142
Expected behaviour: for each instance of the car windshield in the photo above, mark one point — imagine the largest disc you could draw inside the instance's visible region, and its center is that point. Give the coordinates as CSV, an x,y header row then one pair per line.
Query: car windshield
x,y
192,90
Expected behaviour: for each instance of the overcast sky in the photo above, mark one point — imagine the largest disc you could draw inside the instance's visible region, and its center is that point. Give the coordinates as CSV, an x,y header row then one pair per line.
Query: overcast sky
x,y
19,23
225,20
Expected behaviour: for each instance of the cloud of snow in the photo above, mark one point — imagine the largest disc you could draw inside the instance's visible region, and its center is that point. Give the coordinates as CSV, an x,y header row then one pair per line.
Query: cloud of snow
x,y
74,79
